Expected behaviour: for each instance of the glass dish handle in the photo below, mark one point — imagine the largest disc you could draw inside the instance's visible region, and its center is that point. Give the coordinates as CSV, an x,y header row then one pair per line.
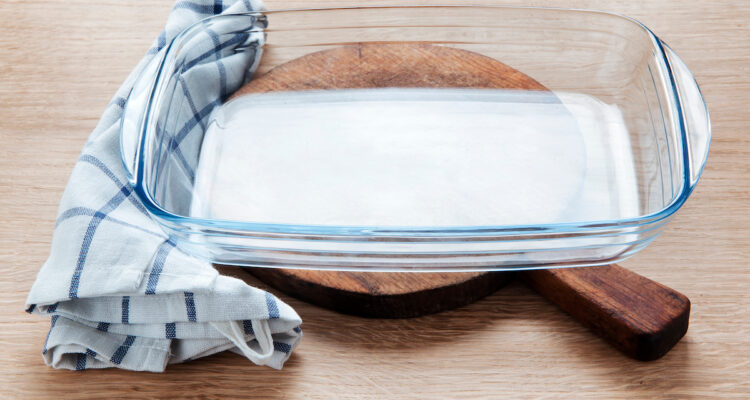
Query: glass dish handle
x,y
132,122
697,121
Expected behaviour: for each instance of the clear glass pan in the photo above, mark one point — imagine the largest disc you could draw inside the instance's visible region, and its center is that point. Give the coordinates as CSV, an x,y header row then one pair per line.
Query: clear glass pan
x,y
421,178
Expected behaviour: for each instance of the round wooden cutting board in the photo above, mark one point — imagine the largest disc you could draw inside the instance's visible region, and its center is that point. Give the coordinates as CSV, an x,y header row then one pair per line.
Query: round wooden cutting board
x,y
376,294
638,316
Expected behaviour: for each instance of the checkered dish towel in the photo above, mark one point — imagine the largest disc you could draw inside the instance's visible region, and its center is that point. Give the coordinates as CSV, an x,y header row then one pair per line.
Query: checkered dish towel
x,y
118,291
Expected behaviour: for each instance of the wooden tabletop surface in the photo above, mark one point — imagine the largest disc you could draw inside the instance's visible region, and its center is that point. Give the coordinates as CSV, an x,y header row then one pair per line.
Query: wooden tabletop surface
x,y
60,62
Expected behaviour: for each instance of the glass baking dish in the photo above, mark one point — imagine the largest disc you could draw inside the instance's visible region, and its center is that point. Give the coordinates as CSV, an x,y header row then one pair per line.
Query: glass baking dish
x,y
585,169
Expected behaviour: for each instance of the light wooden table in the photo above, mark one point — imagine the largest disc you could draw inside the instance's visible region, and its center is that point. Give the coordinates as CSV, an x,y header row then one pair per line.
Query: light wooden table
x,y
61,61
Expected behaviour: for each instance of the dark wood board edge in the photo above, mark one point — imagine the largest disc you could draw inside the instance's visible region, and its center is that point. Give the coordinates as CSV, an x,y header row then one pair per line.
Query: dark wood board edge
x,y
403,305
640,317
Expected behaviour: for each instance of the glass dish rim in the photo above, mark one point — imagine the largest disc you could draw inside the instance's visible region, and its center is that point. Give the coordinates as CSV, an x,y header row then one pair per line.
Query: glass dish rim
x,y
584,227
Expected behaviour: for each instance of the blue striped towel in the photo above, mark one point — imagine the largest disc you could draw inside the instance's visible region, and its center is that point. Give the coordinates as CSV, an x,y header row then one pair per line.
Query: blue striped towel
x,y
118,291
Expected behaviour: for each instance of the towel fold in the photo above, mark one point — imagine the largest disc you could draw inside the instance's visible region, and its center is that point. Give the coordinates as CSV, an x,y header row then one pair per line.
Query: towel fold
x,y
118,291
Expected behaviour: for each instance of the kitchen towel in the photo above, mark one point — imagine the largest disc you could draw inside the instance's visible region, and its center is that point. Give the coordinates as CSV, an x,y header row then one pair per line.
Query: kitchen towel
x,y
118,291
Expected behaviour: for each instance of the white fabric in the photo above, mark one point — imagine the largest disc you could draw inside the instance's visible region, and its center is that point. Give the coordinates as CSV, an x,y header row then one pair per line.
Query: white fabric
x,y
118,292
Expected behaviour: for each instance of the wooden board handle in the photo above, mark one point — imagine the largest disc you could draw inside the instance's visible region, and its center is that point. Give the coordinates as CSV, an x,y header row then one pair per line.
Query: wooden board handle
x,y
636,315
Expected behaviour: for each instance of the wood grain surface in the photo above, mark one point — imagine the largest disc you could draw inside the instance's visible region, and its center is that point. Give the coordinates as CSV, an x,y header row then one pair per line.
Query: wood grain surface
x,y
60,62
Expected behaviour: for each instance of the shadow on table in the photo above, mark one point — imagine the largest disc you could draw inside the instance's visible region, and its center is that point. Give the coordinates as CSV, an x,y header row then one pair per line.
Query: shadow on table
x,y
511,340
